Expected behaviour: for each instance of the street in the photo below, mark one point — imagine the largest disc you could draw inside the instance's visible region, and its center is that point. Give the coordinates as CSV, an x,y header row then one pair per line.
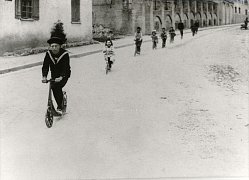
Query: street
x,y
178,112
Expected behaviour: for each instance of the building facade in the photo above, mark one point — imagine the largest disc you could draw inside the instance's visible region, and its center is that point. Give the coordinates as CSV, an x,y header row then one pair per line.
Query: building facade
x,y
155,14
27,23
241,8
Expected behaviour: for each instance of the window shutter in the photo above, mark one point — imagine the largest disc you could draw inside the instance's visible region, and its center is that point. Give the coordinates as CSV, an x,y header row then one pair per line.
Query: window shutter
x,y
18,9
75,10
78,10
35,13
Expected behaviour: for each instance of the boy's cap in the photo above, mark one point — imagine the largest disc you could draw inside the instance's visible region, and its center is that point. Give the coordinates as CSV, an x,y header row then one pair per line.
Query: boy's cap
x,y
56,40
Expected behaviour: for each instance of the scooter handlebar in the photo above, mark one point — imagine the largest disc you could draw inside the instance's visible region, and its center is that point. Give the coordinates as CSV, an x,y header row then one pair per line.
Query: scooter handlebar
x,y
48,80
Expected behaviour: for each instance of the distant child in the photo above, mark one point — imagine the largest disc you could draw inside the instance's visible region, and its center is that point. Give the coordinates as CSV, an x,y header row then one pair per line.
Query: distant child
x,y
154,39
181,27
138,40
109,52
172,34
164,37
193,29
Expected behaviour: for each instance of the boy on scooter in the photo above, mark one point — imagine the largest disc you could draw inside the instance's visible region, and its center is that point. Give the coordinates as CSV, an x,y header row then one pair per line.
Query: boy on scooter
x,y
154,39
138,40
58,62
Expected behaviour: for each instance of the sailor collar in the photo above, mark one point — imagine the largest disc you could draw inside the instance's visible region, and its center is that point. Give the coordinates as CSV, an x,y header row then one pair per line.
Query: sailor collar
x,y
55,61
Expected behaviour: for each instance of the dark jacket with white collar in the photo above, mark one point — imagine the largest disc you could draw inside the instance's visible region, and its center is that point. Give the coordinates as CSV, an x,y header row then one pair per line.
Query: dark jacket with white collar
x,y
59,64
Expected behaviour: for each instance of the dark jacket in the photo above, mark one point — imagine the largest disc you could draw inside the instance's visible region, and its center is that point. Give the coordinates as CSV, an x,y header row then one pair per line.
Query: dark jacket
x,y
59,67
172,33
164,35
180,26
154,38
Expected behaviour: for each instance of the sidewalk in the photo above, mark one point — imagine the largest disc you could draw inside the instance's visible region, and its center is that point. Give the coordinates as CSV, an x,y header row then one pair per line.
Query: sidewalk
x,y
11,64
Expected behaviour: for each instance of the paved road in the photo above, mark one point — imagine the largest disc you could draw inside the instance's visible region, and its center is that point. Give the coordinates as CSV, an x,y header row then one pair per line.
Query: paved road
x,y
175,112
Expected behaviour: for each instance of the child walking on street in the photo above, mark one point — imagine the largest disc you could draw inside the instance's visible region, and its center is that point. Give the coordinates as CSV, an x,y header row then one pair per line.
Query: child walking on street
x,y
138,41
164,37
172,34
109,53
154,39
181,27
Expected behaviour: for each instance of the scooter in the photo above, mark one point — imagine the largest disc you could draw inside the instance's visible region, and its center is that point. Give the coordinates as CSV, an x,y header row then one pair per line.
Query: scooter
x,y
51,112
138,43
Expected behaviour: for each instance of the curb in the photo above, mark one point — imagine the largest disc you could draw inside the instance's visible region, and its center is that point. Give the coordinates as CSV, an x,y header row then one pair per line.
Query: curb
x,y
5,71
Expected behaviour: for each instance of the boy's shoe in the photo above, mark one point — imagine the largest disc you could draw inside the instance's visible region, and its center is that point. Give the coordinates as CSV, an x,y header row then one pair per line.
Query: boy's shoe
x,y
59,111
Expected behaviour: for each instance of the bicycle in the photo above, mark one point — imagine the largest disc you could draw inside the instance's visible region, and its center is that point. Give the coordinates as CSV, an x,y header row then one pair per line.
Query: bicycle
x,y
107,68
51,112
109,62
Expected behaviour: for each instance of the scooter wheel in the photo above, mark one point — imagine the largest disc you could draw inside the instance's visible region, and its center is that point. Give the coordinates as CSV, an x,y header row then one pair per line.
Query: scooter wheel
x,y
49,119
106,69
64,103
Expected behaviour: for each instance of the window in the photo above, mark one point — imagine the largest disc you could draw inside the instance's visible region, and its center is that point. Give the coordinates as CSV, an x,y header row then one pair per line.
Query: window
x,y
75,10
246,12
104,2
127,4
239,10
27,9
157,5
167,5
235,9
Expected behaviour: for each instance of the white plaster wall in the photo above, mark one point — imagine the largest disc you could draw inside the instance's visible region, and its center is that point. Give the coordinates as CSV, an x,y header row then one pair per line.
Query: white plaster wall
x,y
240,17
49,12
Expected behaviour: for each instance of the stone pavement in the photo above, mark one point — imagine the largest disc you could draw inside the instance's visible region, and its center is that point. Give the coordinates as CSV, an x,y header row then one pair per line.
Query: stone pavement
x,y
15,63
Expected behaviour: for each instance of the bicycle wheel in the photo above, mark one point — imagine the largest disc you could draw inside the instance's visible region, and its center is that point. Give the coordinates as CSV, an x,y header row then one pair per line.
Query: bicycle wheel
x,y
49,118
107,68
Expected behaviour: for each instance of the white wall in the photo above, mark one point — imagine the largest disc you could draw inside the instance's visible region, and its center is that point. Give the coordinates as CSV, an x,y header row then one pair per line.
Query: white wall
x,y
21,32
240,17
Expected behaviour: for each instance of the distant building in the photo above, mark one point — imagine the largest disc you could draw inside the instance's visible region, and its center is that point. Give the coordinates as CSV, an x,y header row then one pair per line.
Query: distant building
x,y
241,8
113,14
126,15
27,23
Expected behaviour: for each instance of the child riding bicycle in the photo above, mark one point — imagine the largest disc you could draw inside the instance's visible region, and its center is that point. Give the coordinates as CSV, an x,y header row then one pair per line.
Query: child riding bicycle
x,y
109,53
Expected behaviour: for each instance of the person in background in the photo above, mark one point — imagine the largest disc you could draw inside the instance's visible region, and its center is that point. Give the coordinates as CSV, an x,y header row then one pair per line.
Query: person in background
x,y
196,26
172,34
154,39
164,37
181,27
109,53
138,40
